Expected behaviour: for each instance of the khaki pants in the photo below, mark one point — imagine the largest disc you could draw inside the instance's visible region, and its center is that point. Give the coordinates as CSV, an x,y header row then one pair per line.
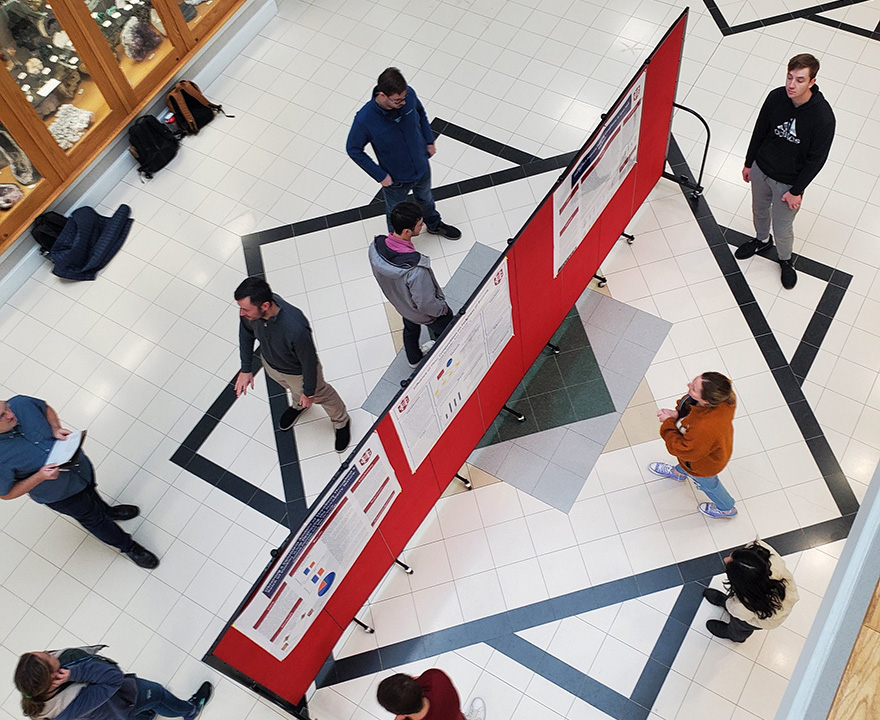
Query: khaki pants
x,y
325,395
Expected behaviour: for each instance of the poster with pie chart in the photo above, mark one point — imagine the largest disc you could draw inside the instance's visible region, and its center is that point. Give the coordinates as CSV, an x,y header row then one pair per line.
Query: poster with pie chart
x,y
322,552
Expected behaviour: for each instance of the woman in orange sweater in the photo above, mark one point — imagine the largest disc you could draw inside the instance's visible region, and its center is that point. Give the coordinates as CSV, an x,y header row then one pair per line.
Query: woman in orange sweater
x,y
699,433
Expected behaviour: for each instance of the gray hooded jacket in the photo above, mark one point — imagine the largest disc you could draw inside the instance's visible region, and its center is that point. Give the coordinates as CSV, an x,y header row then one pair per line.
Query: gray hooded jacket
x,y
408,282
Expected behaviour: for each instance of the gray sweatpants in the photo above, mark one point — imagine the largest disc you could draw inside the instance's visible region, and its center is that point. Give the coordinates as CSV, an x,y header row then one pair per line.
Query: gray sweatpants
x,y
767,204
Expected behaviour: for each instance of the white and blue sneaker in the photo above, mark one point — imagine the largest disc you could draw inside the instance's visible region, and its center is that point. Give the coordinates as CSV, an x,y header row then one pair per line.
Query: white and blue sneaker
x,y
666,470
710,509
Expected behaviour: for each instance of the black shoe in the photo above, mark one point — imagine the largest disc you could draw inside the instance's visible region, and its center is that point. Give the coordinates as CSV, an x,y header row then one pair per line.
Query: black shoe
x,y
789,276
747,249
447,231
142,557
201,698
717,628
343,436
288,418
716,597
123,512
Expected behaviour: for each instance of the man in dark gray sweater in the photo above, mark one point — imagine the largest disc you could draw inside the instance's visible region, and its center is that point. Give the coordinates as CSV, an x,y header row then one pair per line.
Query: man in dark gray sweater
x,y
289,356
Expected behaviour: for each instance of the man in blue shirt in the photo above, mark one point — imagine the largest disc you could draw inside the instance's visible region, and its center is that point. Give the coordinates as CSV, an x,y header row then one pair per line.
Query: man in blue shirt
x,y
395,124
28,430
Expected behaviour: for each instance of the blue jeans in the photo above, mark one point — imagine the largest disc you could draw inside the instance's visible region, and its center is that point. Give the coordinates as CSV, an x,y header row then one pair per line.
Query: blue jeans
x,y
154,699
712,488
398,192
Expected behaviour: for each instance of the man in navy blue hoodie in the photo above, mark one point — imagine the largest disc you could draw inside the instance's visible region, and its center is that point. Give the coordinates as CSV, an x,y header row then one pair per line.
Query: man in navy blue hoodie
x,y
395,124
789,146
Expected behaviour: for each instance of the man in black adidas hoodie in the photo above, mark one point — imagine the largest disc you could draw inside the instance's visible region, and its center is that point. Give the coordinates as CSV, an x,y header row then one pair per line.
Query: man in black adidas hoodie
x,y
789,146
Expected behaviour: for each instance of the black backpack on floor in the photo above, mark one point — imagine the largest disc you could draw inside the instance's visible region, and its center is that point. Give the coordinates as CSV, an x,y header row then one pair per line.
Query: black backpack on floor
x,y
46,229
153,144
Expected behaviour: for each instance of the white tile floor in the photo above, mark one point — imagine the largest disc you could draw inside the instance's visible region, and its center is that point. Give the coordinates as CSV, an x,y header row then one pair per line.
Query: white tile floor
x,y
142,352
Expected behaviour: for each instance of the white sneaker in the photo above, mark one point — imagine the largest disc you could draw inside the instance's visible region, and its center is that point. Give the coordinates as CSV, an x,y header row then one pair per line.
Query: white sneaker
x,y
476,710
427,346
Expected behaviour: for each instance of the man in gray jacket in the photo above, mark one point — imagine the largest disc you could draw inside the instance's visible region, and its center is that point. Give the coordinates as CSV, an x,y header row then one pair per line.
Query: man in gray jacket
x,y
406,279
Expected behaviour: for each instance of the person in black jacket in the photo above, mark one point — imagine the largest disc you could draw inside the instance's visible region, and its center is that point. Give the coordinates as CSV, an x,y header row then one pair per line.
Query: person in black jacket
x,y
789,146
78,683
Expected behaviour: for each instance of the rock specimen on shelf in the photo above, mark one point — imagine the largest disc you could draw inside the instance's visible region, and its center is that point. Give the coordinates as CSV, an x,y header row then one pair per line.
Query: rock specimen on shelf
x,y
10,193
70,125
139,39
22,168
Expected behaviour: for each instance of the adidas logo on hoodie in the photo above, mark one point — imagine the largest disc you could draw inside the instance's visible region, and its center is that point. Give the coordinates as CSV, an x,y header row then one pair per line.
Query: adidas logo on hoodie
x,y
788,131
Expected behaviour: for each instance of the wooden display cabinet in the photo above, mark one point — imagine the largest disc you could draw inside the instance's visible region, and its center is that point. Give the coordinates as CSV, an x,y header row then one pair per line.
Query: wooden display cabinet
x,y
107,58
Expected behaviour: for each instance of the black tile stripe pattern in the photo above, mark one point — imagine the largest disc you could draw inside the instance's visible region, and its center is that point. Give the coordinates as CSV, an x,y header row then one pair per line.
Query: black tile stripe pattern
x,y
812,14
784,373
837,283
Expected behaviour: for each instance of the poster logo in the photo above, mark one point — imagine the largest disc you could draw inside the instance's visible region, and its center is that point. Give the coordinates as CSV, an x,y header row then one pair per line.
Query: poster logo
x,y
364,459
403,403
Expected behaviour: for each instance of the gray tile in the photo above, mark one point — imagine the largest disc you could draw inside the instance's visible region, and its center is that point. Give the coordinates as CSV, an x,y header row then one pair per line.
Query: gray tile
x,y
613,315
558,487
602,343
480,259
597,428
631,360
587,303
543,443
521,466
490,458
380,396
647,330
525,483
620,387
460,287
577,454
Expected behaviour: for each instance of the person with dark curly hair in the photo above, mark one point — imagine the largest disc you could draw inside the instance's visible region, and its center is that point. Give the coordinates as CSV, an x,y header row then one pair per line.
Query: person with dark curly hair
x,y
699,433
78,683
760,592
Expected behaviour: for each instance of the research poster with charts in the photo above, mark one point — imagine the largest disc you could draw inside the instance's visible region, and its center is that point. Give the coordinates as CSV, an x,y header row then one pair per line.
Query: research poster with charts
x,y
324,550
454,370
584,193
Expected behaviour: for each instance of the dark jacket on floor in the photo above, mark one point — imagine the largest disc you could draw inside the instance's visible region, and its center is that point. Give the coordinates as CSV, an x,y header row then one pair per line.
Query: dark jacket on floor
x,y
88,242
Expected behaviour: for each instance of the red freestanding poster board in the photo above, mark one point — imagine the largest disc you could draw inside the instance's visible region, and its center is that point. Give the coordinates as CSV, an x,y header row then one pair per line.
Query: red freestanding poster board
x,y
547,269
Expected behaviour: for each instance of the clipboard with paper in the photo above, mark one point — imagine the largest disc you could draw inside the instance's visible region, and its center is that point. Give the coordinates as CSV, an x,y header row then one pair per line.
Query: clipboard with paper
x,y
65,452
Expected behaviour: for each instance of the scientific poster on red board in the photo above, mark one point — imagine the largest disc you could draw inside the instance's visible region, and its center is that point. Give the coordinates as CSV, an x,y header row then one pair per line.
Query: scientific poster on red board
x,y
324,550
583,195
454,370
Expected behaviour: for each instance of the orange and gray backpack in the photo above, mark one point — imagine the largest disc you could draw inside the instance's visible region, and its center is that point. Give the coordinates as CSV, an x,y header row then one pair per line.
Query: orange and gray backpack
x,y
192,110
